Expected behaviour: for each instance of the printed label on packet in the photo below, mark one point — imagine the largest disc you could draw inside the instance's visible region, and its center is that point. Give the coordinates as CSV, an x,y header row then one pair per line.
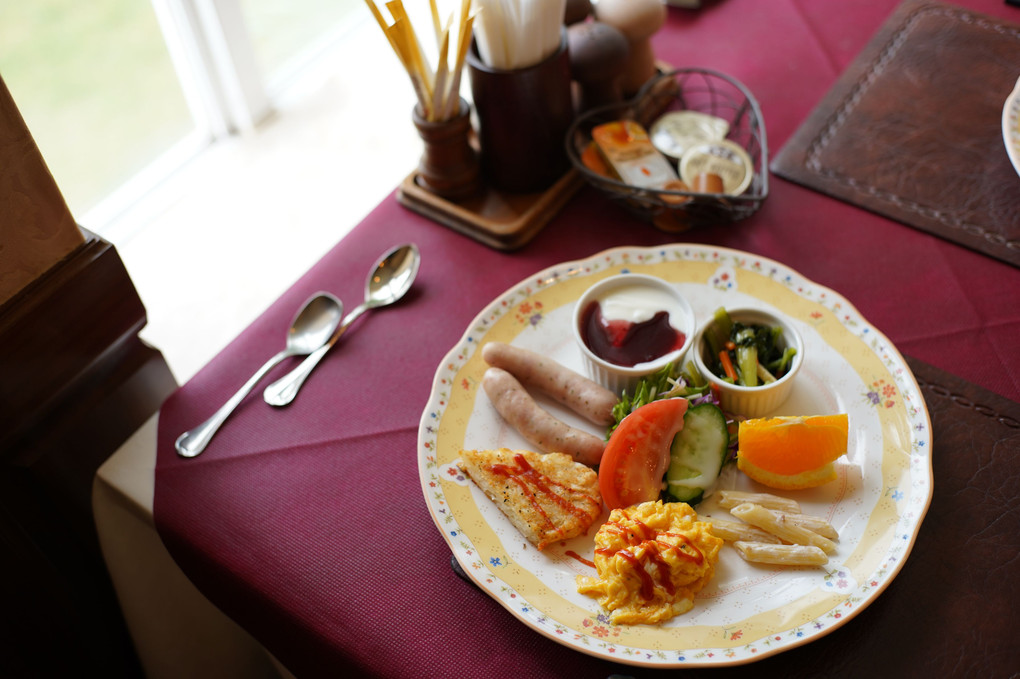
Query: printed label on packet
x,y
725,158
627,150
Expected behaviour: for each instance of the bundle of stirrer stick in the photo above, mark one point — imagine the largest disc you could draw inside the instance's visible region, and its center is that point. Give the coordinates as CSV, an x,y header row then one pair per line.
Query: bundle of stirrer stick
x,y
438,90
515,34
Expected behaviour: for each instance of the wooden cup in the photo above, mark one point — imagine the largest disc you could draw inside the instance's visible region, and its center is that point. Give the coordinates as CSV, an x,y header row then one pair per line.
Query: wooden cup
x,y
523,117
449,165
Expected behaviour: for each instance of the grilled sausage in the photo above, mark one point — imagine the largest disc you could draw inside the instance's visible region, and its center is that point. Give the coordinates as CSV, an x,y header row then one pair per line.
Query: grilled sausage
x,y
585,397
537,426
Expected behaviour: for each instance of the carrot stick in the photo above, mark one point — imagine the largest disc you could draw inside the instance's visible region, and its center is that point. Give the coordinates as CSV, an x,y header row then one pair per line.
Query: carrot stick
x,y
727,364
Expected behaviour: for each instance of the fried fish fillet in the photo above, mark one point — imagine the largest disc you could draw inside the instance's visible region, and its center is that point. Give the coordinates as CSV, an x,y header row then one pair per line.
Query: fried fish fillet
x,y
548,497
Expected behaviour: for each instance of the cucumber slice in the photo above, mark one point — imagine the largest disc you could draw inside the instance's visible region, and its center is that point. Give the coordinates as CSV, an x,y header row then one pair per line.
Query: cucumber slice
x,y
698,453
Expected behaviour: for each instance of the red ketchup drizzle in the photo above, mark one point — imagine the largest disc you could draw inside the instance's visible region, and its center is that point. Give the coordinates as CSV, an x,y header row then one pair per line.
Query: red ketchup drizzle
x,y
575,555
532,482
626,343
647,586
640,534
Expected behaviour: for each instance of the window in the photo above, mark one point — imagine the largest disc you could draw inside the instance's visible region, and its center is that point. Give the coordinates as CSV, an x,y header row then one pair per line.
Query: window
x,y
96,86
286,33
118,93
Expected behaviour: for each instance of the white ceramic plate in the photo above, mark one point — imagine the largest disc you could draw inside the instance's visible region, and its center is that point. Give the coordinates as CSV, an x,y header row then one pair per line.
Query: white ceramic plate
x,y
1011,126
747,612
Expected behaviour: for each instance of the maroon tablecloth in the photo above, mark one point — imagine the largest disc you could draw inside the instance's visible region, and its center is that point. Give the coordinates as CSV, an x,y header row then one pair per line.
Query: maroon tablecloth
x,y
307,526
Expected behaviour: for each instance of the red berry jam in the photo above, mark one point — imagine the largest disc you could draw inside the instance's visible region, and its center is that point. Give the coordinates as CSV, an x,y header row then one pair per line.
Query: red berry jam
x,y
626,343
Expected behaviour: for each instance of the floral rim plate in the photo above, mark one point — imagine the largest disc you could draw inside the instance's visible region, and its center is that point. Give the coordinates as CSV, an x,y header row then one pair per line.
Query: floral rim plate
x,y
747,612
1011,126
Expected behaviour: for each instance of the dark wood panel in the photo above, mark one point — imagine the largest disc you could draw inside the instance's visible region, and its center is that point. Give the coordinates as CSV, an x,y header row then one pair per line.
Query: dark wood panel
x,y
77,381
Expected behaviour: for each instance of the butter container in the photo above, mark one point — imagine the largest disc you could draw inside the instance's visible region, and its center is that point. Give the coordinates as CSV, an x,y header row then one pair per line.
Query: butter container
x,y
724,158
629,153
675,132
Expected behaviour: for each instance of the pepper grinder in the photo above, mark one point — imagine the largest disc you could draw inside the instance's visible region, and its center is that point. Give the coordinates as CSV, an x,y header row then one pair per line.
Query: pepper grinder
x,y
638,20
598,56
576,11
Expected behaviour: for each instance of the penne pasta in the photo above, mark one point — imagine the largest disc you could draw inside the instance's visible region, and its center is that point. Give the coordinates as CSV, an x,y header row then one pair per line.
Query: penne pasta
x,y
728,499
813,523
781,555
776,523
732,531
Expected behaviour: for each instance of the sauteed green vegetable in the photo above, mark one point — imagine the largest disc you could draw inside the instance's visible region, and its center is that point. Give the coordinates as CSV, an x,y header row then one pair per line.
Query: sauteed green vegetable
x,y
749,355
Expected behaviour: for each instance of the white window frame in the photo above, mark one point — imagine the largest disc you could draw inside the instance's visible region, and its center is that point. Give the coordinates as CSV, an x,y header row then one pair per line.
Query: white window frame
x,y
212,52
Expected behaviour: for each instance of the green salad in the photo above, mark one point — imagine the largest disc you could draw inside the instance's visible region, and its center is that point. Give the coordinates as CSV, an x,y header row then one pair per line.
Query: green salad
x,y
705,443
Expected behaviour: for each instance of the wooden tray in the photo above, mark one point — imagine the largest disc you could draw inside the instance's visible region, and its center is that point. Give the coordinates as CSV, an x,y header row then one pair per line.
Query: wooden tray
x,y
503,221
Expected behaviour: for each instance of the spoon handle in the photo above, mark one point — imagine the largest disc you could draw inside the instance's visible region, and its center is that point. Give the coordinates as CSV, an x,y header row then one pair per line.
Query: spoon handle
x,y
192,443
284,390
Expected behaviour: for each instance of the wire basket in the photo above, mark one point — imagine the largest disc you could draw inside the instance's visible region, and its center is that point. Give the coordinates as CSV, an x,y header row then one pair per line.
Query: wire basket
x,y
691,89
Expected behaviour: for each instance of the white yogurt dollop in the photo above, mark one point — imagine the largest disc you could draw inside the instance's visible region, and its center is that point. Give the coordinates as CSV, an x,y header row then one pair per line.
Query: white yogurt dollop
x,y
639,303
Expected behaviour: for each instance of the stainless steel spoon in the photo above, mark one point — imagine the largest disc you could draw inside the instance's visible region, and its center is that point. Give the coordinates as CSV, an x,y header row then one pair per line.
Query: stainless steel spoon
x,y
389,281
312,327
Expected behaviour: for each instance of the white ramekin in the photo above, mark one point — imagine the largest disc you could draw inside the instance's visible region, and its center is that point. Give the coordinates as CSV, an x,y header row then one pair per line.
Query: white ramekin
x,y
619,378
752,401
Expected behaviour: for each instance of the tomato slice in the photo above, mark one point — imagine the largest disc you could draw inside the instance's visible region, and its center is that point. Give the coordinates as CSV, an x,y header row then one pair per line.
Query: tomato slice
x,y
637,454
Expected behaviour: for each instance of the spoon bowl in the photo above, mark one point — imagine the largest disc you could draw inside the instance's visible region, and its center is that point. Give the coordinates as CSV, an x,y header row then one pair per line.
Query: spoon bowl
x,y
390,279
314,324
312,327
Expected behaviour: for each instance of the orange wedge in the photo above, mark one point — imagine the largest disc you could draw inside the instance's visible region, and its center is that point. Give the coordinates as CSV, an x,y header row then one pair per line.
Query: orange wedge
x,y
790,453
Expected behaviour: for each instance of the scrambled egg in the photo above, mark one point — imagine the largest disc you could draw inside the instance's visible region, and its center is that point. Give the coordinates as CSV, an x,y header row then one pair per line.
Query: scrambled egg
x,y
651,559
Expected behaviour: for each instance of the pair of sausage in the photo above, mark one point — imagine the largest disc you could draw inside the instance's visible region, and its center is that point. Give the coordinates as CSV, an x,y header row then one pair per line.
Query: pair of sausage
x,y
512,369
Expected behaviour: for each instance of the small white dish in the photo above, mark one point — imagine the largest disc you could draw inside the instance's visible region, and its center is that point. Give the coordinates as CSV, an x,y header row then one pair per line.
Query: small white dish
x,y
1011,126
653,291
751,401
